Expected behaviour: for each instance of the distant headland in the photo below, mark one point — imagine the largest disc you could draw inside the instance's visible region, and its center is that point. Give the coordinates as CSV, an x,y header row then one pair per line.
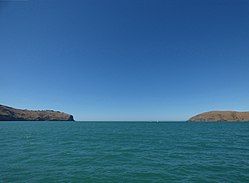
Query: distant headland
x,y
12,114
217,116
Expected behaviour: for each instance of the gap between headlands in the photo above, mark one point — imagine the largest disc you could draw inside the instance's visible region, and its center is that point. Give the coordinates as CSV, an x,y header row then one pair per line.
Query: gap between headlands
x,y
12,114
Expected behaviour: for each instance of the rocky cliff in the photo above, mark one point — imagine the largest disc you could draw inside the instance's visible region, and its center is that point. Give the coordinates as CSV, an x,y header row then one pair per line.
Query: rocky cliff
x,y
12,114
229,116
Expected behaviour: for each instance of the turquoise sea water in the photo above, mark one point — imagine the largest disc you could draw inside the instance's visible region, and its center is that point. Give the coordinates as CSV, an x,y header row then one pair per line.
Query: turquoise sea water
x,y
124,152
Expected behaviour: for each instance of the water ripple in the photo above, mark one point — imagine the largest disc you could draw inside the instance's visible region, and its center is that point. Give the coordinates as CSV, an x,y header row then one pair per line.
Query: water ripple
x,y
124,152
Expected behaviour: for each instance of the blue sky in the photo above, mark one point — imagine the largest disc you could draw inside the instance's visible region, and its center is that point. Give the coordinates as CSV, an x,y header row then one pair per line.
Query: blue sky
x,y
125,60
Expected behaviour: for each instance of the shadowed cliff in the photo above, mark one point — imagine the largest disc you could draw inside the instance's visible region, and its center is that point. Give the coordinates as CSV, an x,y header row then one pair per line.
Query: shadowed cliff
x,y
12,114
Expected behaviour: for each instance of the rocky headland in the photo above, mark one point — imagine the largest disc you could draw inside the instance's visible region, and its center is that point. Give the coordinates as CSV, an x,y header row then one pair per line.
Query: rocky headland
x,y
12,114
219,116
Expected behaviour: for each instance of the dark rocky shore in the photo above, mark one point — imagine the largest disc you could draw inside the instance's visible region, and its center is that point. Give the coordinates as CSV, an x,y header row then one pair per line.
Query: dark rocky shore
x,y
12,114
216,116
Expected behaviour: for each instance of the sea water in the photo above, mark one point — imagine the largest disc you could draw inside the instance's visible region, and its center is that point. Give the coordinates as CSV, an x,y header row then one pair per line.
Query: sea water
x,y
124,152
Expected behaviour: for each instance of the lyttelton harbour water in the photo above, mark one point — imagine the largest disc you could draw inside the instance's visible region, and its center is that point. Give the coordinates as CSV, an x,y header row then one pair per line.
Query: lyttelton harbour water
x,y
124,152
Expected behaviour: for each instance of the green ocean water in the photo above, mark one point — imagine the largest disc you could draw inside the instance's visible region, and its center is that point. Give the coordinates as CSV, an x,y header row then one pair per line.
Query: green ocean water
x,y
124,152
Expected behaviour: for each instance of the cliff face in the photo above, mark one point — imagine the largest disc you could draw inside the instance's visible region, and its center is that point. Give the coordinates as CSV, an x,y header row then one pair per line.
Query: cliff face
x,y
214,116
12,114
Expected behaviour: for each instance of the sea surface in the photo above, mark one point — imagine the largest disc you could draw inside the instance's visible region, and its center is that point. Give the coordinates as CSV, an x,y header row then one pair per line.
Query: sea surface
x,y
124,152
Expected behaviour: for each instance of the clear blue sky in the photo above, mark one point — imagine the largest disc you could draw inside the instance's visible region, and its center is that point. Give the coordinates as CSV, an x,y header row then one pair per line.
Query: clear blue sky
x,y
125,60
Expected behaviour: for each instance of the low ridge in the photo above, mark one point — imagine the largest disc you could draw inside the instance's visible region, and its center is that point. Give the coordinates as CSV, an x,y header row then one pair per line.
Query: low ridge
x,y
214,116
12,114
